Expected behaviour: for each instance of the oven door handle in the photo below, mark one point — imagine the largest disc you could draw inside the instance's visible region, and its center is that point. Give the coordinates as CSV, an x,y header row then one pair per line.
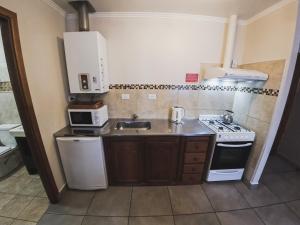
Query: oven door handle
x,y
234,146
229,172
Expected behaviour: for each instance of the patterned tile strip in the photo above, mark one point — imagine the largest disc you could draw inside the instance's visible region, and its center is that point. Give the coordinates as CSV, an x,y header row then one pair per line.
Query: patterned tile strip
x,y
5,86
259,91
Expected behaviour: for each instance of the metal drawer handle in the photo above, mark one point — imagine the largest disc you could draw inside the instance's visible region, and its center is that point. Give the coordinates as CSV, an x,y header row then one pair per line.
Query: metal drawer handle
x,y
234,146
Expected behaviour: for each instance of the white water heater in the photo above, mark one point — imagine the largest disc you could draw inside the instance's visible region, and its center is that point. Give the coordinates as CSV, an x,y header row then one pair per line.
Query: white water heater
x,y
86,60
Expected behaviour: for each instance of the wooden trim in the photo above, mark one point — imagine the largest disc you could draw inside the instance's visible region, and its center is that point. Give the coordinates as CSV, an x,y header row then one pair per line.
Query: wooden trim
x,y
295,85
16,69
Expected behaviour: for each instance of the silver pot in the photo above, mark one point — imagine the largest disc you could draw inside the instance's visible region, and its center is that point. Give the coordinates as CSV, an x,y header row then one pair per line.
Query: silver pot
x,y
228,117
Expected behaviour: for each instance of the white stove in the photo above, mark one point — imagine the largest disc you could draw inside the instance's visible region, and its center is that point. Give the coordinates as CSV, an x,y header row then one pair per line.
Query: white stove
x,y
227,132
232,148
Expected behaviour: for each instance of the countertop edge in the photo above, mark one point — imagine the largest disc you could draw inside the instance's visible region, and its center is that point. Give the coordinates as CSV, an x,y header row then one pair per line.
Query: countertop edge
x,y
188,129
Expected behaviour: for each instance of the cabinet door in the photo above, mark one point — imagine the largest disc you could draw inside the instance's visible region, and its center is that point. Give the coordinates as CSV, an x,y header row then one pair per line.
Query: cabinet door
x,y
161,160
126,161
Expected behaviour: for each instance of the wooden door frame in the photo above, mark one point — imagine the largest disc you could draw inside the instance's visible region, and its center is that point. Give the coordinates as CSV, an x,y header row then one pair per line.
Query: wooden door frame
x,y
288,106
16,69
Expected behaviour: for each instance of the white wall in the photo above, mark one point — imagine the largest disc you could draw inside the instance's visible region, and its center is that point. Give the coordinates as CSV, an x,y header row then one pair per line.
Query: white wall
x,y
41,30
161,47
265,44
268,37
158,48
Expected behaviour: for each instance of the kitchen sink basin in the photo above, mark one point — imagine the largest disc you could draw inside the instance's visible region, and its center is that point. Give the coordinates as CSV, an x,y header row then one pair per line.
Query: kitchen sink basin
x,y
135,125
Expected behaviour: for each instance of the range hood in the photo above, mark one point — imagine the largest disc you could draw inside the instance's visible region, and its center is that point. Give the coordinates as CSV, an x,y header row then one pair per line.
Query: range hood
x,y
227,72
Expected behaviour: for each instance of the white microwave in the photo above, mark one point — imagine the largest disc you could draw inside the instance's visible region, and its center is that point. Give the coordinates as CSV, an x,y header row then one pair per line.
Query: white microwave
x,y
88,117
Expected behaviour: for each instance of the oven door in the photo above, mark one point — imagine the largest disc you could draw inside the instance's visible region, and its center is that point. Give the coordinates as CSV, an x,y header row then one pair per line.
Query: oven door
x,y
231,155
81,118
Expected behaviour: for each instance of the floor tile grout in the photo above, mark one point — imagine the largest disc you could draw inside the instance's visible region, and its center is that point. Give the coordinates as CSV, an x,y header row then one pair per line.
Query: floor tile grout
x,y
170,200
292,211
269,189
215,211
203,190
259,217
130,201
266,185
241,194
87,209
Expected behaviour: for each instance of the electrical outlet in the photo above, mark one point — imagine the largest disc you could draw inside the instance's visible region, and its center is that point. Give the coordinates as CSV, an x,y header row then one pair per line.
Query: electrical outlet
x,y
234,64
125,96
152,96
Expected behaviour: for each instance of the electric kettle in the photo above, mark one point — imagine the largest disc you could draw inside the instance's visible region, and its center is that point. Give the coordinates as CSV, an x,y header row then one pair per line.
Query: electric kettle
x,y
177,114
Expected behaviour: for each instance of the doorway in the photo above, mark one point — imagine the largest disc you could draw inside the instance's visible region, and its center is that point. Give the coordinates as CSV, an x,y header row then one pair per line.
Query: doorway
x,y
20,90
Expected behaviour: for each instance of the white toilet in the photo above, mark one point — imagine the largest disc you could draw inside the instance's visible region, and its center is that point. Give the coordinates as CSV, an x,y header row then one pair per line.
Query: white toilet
x,y
10,157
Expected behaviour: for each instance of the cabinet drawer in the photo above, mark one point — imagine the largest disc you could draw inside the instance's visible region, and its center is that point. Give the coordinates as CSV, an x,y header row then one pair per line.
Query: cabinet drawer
x,y
200,146
190,158
193,168
191,178
195,139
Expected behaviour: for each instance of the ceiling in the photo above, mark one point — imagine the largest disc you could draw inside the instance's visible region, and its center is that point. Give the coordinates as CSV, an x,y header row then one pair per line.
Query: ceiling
x,y
220,8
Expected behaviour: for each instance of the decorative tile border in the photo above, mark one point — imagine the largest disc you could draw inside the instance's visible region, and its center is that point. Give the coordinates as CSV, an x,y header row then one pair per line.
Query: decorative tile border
x,y
259,91
5,86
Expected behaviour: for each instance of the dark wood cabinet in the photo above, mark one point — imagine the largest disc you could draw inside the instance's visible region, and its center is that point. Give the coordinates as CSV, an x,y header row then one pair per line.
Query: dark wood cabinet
x,y
125,160
155,160
161,158
195,157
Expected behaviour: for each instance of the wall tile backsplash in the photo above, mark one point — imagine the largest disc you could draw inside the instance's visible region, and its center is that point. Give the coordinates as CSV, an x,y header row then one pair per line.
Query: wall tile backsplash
x,y
193,101
255,111
208,96
8,110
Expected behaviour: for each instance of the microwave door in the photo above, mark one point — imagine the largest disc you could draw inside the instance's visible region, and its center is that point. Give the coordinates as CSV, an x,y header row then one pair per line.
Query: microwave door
x,y
230,155
81,118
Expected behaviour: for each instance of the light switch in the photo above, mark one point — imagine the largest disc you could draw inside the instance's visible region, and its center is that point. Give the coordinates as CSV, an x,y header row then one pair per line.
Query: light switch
x,y
125,96
152,96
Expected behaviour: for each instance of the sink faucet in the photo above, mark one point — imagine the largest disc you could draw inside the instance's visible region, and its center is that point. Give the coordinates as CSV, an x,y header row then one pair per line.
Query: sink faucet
x,y
134,116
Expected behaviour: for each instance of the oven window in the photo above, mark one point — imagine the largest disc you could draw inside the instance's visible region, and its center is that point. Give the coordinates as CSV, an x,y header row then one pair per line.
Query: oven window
x,y
81,118
228,157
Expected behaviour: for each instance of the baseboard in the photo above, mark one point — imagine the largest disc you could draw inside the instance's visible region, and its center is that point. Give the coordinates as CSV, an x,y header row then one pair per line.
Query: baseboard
x,y
62,190
250,185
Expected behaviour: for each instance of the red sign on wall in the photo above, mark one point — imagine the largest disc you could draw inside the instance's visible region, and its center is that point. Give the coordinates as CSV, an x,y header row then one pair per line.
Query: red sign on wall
x,y
192,77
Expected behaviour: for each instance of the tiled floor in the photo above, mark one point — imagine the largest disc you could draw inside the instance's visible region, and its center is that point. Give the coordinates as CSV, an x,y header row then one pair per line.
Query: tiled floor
x,y
23,200
207,204
275,202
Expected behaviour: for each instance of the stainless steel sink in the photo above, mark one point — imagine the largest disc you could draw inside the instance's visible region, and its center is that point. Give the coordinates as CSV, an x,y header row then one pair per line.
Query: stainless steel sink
x,y
133,125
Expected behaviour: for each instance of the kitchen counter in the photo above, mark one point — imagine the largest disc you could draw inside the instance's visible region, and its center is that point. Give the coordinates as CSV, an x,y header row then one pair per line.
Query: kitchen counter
x,y
159,127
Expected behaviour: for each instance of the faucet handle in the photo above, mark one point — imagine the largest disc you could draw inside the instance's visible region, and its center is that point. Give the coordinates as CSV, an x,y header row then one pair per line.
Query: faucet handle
x,y
134,116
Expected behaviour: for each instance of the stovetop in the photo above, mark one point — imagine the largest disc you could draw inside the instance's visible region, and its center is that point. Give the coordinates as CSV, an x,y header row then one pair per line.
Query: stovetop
x,y
220,127
227,132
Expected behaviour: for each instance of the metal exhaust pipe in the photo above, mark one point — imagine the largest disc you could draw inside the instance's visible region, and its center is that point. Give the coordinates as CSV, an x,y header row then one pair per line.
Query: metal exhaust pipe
x,y
83,9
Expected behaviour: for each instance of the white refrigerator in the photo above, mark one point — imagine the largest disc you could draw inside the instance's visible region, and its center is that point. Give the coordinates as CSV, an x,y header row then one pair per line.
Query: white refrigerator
x,y
83,162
